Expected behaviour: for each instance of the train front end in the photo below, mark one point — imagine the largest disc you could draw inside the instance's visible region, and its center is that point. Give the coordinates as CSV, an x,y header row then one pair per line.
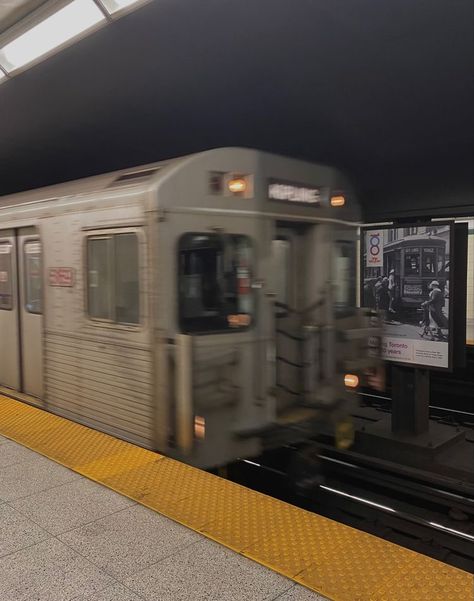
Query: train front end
x,y
268,346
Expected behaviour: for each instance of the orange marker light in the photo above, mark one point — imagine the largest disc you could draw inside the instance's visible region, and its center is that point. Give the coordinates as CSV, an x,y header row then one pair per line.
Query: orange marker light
x,y
351,381
241,320
237,185
199,427
338,201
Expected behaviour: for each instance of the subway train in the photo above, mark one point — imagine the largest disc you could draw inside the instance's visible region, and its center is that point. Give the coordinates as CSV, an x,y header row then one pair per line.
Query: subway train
x,y
197,306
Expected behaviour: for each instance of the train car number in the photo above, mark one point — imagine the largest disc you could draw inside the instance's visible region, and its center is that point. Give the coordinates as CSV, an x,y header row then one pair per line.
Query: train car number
x,y
61,277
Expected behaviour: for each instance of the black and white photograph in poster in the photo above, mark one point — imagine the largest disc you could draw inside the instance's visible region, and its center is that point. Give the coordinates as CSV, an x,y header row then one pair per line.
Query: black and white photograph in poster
x,y
405,276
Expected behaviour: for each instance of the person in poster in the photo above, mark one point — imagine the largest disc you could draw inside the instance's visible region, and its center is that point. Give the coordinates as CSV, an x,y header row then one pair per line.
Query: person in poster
x,y
391,290
434,307
369,293
383,296
377,286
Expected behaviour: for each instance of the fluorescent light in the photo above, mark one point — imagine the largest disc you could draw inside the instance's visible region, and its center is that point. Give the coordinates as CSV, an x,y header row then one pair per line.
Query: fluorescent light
x,y
60,27
113,6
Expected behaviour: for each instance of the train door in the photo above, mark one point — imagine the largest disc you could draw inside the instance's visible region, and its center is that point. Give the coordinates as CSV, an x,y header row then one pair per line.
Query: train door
x,y
295,288
31,311
9,313
21,311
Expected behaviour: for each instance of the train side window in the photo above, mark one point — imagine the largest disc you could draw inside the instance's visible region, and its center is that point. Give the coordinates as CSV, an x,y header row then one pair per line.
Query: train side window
x,y
99,281
33,277
126,279
112,282
6,293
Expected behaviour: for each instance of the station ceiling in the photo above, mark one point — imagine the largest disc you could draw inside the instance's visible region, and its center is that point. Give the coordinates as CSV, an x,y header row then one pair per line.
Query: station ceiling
x,y
383,89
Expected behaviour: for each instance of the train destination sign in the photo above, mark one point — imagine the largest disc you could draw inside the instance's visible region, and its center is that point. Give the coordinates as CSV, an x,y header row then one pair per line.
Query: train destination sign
x,y
291,192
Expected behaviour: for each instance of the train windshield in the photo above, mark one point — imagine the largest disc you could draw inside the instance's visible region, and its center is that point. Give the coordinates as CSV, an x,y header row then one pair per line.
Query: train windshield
x,y
214,282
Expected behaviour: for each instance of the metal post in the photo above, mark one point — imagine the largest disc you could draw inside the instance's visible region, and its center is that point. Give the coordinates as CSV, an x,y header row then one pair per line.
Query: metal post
x,y
184,393
410,400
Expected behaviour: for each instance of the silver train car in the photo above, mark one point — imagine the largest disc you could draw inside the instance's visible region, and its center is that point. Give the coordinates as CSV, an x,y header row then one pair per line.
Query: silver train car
x,y
193,306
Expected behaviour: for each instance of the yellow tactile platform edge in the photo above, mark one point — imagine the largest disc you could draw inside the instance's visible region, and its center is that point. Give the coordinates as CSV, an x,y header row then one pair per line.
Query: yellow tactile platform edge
x,y
334,560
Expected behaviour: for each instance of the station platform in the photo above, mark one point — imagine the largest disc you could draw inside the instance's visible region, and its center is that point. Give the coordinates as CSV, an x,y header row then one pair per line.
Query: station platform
x,y
84,516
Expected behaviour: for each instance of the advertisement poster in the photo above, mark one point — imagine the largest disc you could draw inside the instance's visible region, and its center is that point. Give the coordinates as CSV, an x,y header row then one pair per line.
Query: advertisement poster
x,y
405,276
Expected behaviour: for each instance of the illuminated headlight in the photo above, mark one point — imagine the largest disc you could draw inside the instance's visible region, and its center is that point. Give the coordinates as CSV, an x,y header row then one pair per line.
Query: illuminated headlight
x,y
230,184
199,427
237,185
338,201
351,381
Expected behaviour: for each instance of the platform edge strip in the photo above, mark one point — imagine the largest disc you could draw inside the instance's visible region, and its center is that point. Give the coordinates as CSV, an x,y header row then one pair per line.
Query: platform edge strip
x,y
17,417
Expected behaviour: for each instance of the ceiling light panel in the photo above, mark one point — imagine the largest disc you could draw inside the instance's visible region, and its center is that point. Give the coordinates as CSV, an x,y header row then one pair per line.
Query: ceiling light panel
x,y
63,26
114,6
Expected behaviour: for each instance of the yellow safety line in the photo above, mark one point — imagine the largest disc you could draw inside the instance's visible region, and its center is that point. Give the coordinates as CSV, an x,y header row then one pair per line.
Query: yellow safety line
x,y
334,560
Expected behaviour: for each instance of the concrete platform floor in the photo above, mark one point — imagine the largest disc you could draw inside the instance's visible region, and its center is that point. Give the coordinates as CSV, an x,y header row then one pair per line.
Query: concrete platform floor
x,y
65,538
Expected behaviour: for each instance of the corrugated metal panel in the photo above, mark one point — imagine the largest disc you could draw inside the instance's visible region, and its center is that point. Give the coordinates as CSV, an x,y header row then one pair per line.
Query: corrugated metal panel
x,y
102,384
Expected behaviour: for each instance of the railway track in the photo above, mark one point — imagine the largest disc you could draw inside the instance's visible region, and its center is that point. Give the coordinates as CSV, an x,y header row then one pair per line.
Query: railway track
x,y
435,520
427,517
430,516
448,415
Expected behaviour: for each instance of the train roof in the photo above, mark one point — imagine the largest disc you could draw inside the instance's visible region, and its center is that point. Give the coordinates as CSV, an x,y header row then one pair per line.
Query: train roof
x,y
86,185
142,176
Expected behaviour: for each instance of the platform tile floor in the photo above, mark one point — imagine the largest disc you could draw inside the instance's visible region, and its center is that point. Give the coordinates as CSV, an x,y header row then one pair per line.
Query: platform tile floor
x,y
65,538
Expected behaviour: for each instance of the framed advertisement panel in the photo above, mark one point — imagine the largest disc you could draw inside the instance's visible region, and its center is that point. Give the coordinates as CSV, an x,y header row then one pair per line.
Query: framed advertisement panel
x,y
407,274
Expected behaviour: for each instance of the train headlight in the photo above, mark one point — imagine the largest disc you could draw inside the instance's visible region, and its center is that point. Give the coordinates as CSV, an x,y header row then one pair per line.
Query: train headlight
x,y
338,201
237,185
199,427
351,381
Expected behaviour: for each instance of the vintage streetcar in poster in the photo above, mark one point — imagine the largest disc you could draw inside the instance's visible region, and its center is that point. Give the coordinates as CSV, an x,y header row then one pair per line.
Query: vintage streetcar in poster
x,y
405,276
